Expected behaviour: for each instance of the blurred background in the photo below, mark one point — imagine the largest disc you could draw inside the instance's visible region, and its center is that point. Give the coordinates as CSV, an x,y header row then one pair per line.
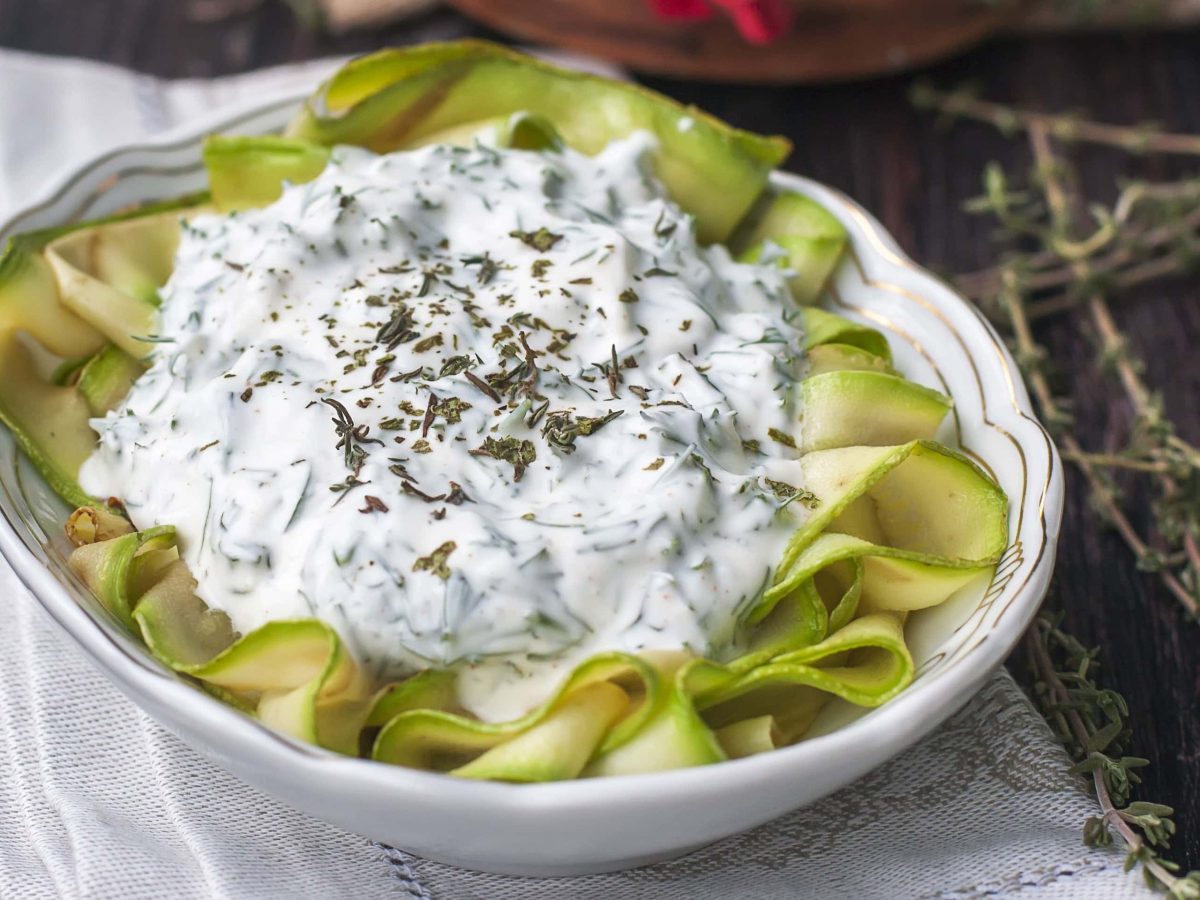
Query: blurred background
x,y
838,77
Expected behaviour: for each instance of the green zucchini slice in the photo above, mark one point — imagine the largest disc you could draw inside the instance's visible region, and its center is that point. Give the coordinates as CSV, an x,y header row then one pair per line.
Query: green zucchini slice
x,y
394,98
527,131
48,421
834,357
31,297
89,524
848,408
822,327
109,275
295,676
68,292
250,172
812,239
29,302
867,663
750,736
675,737
922,519
603,704
106,378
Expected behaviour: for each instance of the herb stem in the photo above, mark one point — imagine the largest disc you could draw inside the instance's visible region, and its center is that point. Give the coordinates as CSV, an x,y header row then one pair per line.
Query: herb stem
x,y
1065,711
1151,270
1112,461
428,420
1139,139
483,386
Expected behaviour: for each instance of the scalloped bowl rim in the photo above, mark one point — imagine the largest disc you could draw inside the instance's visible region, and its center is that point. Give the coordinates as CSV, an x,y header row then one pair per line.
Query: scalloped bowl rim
x,y
300,774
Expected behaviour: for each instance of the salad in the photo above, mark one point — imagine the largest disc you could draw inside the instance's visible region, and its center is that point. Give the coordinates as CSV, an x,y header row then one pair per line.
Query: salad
x,y
485,422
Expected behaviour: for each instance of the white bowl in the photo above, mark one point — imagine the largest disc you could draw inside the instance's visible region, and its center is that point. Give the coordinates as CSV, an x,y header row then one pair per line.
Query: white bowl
x,y
603,824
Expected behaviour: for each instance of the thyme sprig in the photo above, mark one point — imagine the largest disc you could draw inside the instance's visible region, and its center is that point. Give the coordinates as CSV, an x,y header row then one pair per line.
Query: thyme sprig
x,y
1091,722
1086,256
1152,231
351,437
1083,257
964,102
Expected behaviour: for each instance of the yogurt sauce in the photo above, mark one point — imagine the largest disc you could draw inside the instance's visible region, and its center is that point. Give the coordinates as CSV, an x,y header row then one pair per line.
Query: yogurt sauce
x,y
487,408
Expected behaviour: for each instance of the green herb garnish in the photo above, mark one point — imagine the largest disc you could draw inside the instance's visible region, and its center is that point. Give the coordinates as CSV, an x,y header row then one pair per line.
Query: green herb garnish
x,y
435,562
434,340
540,240
398,329
787,493
562,428
520,453
351,437
781,437
455,365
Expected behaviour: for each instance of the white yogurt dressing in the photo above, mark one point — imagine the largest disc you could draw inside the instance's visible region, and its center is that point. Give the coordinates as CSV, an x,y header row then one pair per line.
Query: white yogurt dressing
x,y
458,533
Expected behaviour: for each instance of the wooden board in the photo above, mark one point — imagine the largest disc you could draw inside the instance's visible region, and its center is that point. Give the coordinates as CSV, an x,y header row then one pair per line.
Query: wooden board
x,y
830,41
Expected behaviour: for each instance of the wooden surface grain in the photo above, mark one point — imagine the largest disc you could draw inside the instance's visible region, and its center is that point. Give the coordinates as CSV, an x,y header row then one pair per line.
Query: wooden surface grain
x,y
866,140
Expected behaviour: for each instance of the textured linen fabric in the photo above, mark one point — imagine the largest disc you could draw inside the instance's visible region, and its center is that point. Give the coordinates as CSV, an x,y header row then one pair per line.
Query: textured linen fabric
x,y
97,800
981,808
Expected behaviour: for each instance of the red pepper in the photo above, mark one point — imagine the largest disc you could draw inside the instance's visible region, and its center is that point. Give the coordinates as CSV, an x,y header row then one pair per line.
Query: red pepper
x,y
759,21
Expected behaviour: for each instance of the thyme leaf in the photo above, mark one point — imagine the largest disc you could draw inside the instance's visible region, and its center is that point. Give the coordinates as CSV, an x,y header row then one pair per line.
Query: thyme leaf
x,y
455,365
343,488
413,491
483,386
781,437
435,562
787,493
540,240
562,428
487,267
373,505
429,414
519,453
398,329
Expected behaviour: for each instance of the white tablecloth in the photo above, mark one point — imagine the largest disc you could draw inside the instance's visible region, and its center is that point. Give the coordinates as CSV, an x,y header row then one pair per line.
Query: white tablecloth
x,y
97,800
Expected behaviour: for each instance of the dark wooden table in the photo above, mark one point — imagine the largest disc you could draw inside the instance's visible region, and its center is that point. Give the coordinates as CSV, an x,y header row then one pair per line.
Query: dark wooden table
x,y
865,139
